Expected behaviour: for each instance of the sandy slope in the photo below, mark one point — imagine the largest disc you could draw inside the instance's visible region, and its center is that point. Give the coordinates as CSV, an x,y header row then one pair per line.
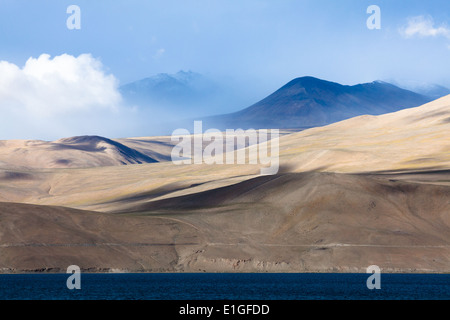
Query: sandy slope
x,y
297,222
75,152
42,238
158,148
307,221
319,222
416,138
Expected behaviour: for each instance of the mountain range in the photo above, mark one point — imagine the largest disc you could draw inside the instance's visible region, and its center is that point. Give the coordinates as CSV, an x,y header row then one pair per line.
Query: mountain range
x,y
310,102
431,90
304,102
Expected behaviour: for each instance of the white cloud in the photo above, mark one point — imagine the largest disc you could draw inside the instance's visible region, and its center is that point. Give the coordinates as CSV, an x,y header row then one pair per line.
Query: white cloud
x,y
424,26
64,84
49,98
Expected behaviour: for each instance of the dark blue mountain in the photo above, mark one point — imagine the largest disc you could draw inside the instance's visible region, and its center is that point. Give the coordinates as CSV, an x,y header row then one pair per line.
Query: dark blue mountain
x,y
309,102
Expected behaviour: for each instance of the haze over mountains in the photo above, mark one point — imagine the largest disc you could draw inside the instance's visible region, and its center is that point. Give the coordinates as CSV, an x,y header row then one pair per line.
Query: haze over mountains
x,y
177,89
432,90
183,94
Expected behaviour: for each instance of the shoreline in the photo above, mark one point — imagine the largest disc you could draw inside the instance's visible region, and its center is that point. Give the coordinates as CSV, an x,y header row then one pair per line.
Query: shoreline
x,y
60,271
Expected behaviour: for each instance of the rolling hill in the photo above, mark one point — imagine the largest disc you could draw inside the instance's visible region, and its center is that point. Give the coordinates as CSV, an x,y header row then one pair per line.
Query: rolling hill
x,y
367,190
74,152
293,222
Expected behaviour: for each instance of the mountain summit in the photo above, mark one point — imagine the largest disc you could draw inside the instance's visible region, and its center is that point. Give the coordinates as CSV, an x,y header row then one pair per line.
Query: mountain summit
x,y
309,102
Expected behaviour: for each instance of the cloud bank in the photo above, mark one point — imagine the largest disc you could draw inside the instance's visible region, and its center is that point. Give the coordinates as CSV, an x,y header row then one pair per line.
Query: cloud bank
x,y
64,84
49,98
424,26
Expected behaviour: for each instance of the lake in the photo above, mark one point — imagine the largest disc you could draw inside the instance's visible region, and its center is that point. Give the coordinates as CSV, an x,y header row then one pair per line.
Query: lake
x,y
214,286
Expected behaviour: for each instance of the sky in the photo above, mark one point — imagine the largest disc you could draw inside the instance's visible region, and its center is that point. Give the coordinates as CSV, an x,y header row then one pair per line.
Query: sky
x,y
257,45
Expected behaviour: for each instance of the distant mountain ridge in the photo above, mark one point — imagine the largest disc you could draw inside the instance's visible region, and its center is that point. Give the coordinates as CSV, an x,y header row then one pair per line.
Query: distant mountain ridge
x,y
181,94
309,102
167,87
431,90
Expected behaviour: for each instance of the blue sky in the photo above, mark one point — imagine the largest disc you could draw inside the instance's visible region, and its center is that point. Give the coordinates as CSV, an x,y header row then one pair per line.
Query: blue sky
x,y
258,44
270,41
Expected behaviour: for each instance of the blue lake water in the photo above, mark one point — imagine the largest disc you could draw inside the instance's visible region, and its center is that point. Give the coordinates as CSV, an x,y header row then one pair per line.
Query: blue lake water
x,y
210,286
